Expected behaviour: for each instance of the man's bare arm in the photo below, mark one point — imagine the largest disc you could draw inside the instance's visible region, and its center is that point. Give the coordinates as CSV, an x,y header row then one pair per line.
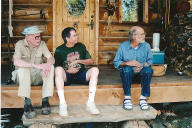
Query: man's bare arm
x,y
85,62
51,60
45,67
21,63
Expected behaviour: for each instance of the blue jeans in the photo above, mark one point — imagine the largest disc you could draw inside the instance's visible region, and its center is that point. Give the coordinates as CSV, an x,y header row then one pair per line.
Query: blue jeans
x,y
127,74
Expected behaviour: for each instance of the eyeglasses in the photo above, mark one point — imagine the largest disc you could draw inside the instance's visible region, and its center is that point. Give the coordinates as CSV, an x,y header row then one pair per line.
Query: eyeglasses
x,y
142,34
37,37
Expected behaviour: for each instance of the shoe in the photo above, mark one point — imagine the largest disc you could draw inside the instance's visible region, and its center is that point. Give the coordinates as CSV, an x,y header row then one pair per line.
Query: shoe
x,y
143,104
46,110
9,81
127,105
91,107
63,110
29,111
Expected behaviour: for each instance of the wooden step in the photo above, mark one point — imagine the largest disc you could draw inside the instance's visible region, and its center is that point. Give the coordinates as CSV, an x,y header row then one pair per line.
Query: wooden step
x,y
105,94
78,114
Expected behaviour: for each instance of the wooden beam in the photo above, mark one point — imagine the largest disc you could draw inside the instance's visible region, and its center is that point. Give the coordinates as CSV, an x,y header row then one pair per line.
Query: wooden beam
x,y
190,1
54,26
78,114
97,29
120,11
160,93
145,11
57,23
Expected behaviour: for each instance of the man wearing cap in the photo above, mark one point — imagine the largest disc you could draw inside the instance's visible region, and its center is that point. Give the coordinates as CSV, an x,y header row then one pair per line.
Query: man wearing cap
x,y
34,66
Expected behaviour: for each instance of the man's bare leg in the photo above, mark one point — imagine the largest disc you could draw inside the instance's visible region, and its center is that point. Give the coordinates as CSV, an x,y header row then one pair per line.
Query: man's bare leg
x,y
92,77
60,78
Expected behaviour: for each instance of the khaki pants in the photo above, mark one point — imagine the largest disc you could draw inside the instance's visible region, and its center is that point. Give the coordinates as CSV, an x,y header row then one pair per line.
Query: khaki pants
x,y
26,77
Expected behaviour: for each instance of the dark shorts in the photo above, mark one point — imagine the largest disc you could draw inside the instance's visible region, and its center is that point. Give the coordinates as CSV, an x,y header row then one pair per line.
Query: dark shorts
x,y
78,78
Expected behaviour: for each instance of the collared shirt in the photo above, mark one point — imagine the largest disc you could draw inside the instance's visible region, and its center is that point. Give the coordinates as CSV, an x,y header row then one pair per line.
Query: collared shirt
x,y
126,52
35,55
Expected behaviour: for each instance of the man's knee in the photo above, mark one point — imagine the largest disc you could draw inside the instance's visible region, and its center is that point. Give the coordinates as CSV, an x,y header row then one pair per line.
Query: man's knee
x,y
59,71
94,71
127,69
52,68
147,70
21,74
23,70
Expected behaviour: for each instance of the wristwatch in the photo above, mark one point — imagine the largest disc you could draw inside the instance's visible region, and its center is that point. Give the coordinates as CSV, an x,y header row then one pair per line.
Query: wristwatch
x,y
146,65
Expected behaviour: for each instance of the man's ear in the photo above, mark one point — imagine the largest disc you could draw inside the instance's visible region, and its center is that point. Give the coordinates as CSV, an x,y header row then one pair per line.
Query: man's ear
x,y
67,38
130,35
134,36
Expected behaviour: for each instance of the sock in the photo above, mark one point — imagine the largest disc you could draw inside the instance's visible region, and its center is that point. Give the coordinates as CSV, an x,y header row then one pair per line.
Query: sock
x,y
142,97
27,105
127,97
27,101
45,99
61,96
92,90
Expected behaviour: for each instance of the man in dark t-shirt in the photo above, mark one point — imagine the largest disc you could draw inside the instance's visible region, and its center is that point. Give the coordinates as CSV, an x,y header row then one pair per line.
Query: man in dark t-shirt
x,y
70,60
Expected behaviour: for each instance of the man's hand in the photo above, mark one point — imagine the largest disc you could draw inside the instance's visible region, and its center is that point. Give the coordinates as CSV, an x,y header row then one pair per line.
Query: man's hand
x,y
74,63
72,70
44,67
133,63
138,69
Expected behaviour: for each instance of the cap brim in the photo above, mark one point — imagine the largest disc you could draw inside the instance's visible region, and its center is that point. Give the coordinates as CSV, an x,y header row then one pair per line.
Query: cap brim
x,y
27,33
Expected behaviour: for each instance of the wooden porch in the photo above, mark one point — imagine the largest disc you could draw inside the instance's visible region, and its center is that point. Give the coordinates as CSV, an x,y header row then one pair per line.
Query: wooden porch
x,y
167,88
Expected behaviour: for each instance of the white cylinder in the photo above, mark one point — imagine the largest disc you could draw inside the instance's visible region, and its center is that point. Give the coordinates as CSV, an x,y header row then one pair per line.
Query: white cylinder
x,y
156,41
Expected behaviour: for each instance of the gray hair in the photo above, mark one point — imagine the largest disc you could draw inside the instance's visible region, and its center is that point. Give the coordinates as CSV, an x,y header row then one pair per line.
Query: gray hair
x,y
131,33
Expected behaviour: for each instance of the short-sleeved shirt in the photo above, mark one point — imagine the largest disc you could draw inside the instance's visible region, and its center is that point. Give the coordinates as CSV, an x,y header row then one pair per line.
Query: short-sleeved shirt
x,y
35,55
64,55
126,52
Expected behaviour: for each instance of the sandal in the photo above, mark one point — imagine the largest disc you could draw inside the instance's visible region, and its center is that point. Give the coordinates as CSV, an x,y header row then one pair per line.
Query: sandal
x,y
143,104
127,105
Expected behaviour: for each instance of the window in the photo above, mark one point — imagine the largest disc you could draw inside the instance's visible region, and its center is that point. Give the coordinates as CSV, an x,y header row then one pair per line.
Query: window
x,y
133,11
129,10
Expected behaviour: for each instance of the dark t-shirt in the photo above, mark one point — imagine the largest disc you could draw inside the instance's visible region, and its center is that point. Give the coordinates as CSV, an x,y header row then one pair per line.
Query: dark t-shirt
x,y
64,55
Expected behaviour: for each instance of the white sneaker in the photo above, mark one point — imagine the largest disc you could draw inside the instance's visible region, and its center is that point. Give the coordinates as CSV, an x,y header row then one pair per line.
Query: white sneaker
x,y
91,107
127,105
63,110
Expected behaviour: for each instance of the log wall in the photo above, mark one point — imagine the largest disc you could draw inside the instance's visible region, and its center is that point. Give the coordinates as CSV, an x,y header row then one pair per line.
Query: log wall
x,y
112,33
25,13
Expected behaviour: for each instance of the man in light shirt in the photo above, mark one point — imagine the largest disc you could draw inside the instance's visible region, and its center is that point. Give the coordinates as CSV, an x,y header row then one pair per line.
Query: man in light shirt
x,y
134,58
34,66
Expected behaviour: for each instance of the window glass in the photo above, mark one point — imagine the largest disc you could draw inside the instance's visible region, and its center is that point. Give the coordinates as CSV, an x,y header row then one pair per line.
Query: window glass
x,y
76,7
130,10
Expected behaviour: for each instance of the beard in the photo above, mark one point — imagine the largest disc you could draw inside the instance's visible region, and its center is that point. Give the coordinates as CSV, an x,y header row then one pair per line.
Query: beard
x,y
140,40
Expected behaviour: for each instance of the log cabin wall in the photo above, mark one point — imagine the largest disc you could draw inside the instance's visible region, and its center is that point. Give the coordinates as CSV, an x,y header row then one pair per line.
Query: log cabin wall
x,y
25,13
112,32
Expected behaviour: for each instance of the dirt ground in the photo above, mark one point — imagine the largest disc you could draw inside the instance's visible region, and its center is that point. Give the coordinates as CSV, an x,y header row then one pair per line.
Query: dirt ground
x,y
173,115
